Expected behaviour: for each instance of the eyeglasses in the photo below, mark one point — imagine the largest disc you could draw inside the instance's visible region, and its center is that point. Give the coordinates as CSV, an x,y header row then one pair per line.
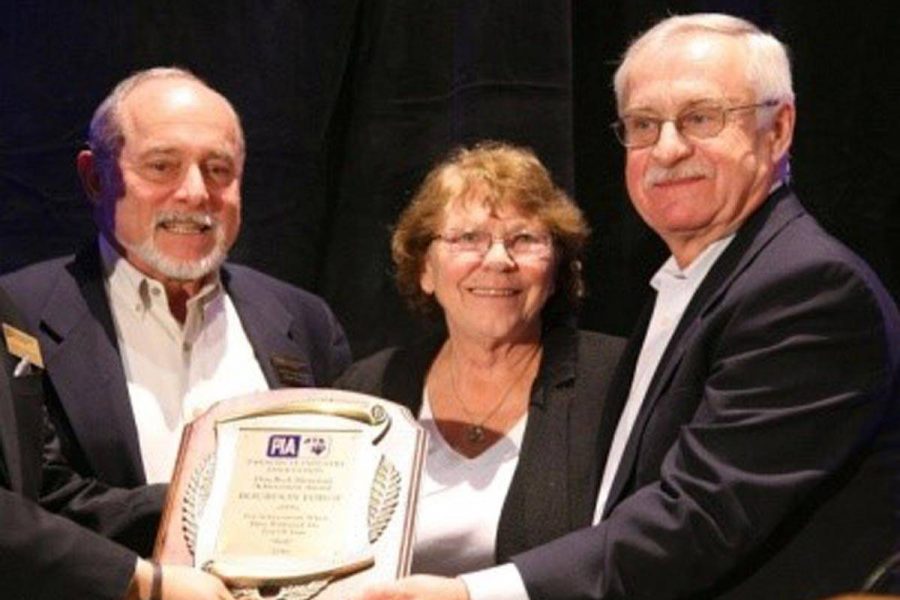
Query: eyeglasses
x,y
700,122
519,245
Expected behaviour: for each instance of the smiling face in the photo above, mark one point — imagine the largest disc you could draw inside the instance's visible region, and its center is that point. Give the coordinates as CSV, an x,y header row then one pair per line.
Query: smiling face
x,y
494,298
695,191
173,204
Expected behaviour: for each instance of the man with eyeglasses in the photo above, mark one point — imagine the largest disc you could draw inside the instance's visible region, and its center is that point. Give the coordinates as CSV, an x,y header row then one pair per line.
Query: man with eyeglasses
x,y
752,436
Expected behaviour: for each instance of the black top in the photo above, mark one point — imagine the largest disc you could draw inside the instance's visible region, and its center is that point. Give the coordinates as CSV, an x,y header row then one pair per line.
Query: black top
x,y
554,487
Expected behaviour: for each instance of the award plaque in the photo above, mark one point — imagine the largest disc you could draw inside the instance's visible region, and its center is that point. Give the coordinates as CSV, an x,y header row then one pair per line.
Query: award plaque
x,y
295,494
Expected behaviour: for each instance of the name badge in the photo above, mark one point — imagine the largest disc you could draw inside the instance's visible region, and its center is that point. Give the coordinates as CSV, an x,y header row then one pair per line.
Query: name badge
x,y
22,345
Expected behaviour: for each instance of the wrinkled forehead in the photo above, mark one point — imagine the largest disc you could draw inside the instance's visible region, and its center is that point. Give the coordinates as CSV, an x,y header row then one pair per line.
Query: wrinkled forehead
x,y
178,108
687,67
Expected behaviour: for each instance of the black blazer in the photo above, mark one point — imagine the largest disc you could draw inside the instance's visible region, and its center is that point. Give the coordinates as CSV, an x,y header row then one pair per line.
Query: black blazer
x,y
44,555
765,460
65,302
554,487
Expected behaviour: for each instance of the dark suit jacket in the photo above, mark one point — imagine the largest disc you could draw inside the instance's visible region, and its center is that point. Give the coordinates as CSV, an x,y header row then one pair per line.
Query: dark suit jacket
x,y
65,302
765,461
555,483
44,555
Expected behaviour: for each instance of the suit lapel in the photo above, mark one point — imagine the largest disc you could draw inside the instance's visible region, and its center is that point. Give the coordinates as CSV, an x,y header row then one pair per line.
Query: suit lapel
x,y
78,337
549,438
9,431
621,382
538,503
9,434
268,325
618,396
753,236
405,374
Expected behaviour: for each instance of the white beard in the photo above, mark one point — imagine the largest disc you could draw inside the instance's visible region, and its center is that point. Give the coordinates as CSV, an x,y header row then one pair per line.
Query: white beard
x,y
182,270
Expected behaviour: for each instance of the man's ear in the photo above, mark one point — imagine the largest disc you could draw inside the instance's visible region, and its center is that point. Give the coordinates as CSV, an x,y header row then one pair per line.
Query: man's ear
x,y
782,131
91,180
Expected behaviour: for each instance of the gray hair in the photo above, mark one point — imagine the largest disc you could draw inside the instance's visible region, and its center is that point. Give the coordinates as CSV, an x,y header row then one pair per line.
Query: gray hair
x,y
768,66
105,135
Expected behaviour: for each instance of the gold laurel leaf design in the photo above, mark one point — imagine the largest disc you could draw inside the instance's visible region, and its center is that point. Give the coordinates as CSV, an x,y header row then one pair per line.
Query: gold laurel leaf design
x,y
383,498
195,497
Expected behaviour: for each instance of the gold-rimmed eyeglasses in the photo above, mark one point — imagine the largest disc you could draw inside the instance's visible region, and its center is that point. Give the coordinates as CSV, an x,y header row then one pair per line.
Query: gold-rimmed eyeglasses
x,y
698,122
519,245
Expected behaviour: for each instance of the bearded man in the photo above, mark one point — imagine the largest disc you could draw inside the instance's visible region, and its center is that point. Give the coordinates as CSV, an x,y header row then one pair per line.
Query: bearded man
x,y
148,326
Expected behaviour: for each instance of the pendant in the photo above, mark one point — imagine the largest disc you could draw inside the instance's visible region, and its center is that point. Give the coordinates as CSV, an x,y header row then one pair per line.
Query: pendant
x,y
475,434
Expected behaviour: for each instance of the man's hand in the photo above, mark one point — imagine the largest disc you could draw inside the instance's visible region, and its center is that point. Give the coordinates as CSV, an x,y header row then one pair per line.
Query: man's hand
x,y
178,583
417,587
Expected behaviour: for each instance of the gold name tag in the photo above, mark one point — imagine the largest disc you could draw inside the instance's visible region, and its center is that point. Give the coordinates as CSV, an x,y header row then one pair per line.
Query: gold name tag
x,y
25,346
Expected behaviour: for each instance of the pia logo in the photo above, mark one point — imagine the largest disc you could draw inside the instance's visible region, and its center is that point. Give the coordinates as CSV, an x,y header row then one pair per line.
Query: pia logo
x,y
283,446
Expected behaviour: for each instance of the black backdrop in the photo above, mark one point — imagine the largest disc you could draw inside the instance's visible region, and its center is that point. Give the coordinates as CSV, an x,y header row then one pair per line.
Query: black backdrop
x,y
346,104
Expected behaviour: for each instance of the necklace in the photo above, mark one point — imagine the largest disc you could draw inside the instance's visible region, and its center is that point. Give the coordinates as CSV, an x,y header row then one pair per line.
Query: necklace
x,y
475,429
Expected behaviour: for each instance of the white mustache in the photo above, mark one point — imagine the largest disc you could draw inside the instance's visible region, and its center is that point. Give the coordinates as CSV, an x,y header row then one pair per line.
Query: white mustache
x,y
656,175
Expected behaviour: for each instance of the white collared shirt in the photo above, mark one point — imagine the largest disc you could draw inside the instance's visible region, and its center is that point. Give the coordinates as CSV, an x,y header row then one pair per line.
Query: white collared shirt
x,y
174,372
675,288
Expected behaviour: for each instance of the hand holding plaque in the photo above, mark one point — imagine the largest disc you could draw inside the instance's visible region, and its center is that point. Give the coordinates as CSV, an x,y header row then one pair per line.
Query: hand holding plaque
x,y
295,494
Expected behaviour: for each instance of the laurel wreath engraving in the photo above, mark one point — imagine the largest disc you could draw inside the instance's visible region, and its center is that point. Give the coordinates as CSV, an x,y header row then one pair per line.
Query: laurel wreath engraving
x,y
195,497
383,499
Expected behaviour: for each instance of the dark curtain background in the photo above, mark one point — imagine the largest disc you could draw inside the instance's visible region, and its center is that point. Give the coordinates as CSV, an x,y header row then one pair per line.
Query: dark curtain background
x,y
346,104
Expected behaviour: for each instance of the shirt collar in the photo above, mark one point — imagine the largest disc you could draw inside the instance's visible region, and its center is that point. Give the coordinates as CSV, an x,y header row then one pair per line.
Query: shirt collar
x,y
694,273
